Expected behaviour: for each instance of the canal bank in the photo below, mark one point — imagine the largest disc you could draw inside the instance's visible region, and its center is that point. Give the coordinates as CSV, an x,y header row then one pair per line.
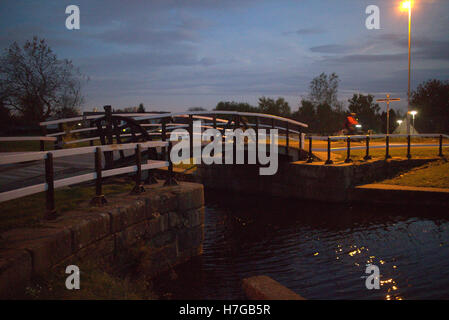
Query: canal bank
x,y
314,181
167,221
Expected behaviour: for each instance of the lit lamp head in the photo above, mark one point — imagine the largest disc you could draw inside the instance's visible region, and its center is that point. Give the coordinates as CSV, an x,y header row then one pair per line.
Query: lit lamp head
x,y
413,113
399,122
406,5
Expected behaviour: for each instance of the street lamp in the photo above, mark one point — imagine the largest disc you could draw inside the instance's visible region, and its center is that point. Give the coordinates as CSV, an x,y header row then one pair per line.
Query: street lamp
x,y
413,113
407,6
399,122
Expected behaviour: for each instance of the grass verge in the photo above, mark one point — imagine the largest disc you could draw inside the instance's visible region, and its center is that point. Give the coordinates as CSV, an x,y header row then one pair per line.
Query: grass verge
x,y
434,175
29,211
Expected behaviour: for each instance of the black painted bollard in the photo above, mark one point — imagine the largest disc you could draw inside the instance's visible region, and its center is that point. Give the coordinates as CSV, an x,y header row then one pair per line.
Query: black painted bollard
x,y
171,178
138,187
329,161
409,155
50,213
348,154
287,138
440,154
387,148
367,156
310,157
99,198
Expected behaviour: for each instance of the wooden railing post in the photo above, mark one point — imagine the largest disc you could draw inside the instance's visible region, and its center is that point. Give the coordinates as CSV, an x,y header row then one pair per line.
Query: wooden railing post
x,y
138,187
150,176
191,137
287,140
50,192
171,178
257,140
108,155
440,154
99,198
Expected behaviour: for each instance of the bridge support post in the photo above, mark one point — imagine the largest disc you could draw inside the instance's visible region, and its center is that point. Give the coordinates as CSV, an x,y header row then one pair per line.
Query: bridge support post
x,y
409,155
191,137
108,155
440,154
348,156
170,179
99,198
367,156
138,188
287,140
50,213
387,148
310,157
257,140
329,161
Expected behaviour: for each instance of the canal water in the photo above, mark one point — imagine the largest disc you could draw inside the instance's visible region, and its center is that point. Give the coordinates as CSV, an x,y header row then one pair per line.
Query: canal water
x,y
318,250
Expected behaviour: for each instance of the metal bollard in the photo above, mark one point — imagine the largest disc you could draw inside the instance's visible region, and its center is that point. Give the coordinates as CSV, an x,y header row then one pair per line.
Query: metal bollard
x,y
310,157
409,155
348,157
440,154
329,161
367,156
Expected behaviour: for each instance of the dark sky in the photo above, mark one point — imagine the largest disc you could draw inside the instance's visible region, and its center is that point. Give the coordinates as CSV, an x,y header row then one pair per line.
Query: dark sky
x,y
172,55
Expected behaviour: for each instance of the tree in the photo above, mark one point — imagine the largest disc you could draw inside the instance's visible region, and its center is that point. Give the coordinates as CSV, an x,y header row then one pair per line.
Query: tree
x,y
431,100
307,114
367,111
235,106
324,90
141,108
36,84
193,109
278,107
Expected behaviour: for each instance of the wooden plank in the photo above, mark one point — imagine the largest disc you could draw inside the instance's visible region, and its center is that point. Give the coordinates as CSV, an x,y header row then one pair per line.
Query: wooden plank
x,y
75,180
118,171
31,138
22,192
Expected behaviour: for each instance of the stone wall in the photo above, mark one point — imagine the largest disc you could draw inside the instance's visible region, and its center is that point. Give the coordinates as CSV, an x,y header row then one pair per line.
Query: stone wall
x,y
301,180
169,220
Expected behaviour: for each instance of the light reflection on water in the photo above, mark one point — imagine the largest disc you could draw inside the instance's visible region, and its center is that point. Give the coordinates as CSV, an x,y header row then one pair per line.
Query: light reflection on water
x,y
318,250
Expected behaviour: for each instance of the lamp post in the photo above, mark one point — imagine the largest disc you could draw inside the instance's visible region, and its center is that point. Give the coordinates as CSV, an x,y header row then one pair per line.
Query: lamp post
x,y
407,5
413,113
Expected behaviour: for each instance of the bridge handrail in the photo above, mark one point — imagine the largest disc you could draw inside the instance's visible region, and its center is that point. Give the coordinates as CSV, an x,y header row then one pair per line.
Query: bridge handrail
x,y
248,114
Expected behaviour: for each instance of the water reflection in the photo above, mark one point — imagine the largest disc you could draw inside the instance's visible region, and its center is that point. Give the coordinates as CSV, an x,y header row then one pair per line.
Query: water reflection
x,y
318,250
